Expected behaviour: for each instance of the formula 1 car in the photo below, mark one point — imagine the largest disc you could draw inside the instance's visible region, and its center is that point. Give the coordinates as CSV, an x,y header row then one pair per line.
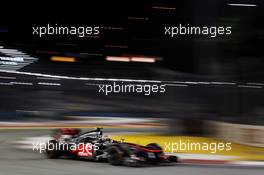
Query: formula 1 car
x,y
93,145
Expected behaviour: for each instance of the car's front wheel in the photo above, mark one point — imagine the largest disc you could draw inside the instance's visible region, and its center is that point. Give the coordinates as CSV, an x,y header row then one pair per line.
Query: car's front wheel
x,y
115,156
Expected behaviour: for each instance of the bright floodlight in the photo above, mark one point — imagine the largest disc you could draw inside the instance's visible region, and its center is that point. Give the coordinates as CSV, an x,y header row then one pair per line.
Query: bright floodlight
x,y
243,5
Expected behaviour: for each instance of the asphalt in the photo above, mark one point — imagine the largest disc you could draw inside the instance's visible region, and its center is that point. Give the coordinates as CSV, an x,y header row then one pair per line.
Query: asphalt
x,y
15,161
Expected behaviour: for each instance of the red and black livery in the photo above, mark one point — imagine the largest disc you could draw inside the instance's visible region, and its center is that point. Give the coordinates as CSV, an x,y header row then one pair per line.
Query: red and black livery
x,y
92,145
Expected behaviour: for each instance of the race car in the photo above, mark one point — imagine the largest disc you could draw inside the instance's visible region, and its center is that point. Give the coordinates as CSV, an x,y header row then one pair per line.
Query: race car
x,y
93,145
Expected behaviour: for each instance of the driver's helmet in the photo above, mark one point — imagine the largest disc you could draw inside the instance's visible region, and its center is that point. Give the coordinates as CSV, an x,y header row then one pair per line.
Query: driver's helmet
x,y
106,138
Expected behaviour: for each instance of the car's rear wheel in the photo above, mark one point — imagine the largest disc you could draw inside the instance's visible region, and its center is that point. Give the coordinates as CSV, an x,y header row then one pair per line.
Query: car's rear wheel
x,y
51,151
115,156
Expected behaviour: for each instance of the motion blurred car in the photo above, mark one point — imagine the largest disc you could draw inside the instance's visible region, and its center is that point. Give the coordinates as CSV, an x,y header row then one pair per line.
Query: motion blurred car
x,y
93,145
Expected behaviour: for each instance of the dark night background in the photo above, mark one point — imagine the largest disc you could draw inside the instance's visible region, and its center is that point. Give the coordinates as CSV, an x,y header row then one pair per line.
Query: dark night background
x,y
235,58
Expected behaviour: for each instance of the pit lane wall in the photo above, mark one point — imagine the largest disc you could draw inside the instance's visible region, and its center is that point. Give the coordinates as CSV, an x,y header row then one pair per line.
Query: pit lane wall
x,y
250,135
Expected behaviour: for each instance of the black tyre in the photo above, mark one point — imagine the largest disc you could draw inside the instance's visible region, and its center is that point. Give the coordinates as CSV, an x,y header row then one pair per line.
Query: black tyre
x,y
115,156
51,151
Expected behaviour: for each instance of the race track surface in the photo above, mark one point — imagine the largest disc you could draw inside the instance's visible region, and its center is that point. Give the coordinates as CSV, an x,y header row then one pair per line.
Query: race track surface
x,y
15,161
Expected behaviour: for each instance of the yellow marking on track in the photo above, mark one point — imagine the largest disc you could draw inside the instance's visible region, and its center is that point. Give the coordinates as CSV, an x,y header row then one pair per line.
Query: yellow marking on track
x,y
244,152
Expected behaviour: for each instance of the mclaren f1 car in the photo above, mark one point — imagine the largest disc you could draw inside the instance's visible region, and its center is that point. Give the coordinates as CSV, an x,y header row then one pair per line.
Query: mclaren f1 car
x,y
93,145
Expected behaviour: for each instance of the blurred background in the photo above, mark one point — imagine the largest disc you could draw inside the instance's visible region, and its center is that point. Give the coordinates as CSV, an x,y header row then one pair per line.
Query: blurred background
x,y
214,85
